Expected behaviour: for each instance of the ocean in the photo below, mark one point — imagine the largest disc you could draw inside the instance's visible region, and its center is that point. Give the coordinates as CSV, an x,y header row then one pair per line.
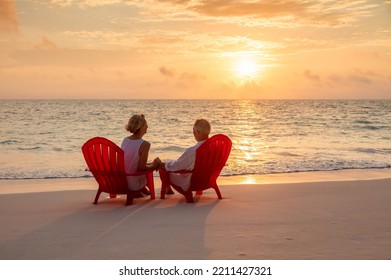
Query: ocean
x,y
42,139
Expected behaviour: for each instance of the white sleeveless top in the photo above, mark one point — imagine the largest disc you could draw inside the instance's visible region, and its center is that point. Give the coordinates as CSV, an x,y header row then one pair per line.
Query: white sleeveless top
x,y
131,155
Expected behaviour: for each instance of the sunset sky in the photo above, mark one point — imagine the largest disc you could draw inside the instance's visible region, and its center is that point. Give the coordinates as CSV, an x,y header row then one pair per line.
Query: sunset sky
x,y
195,49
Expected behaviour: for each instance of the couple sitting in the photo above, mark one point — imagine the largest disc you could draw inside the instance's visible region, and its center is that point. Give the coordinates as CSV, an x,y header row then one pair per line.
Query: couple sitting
x,y
136,156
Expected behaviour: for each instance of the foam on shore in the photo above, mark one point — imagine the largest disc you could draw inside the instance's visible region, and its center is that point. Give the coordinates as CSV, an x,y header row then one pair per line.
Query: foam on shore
x,y
40,185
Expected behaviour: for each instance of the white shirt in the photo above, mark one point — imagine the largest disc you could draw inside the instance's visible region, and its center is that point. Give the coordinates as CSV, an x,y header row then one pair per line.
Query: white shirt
x,y
184,162
131,156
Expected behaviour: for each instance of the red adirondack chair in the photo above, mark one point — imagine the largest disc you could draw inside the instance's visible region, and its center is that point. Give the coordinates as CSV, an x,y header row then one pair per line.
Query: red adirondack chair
x,y
105,160
211,157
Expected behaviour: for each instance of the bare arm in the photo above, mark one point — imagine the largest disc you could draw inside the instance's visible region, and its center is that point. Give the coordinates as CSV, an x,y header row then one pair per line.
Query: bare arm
x,y
142,163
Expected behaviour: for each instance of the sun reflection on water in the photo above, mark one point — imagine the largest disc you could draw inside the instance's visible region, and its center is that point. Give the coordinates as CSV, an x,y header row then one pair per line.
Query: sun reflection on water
x,y
249,143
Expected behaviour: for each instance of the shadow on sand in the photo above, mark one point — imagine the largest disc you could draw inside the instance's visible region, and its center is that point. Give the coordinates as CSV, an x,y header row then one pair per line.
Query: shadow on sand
x,y
63,225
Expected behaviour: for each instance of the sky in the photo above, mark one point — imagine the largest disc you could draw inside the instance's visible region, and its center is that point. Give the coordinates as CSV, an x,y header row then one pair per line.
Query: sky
x,y
220,49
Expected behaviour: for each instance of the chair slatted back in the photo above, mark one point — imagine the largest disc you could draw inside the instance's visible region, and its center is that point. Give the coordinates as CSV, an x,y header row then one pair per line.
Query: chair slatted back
x,y
211,157
105,160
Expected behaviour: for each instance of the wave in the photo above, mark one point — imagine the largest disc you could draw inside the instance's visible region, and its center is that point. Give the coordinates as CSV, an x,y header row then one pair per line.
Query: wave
x,y
47,177
370,127
172,149
29,148
286,154
268,137
223,174
307,170
9,142
363,121
373,151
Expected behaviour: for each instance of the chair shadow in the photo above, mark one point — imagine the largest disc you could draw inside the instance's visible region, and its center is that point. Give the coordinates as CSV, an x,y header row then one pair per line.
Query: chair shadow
x,y
148,229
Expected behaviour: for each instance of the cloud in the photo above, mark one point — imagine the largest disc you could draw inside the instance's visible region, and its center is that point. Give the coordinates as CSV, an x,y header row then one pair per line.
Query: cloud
x,y
46,44
268,8
176,1
8,18
360,79
298,45
183,80
189,79
166,72
282,13
349,80
311,76
83,3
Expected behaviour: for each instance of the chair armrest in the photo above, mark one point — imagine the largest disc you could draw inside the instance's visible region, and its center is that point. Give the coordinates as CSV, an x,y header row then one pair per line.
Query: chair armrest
x,y
181,171
101,172
104,173
138,173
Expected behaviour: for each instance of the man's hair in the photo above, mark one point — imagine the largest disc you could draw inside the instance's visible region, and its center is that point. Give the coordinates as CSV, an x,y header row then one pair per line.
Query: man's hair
x,y
202,126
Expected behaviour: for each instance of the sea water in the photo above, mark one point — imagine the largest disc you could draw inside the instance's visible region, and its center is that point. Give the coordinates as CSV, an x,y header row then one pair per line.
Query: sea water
x,y
43,138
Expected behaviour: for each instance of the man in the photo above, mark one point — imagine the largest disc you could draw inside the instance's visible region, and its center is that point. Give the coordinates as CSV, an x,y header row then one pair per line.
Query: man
x,y
201,130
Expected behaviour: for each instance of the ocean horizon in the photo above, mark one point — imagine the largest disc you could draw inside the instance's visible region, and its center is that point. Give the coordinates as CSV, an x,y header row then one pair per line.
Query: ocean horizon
x,y
42,138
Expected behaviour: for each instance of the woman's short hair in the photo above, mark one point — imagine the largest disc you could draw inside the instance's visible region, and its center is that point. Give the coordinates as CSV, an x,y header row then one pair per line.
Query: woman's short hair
x,y
135,123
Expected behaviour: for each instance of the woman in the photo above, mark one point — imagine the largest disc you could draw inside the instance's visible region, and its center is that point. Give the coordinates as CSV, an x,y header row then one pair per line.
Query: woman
x,y
136,153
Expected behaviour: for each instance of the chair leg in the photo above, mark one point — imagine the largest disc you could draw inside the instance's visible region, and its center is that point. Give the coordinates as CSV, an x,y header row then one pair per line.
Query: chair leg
x,y
163,191
129,199
189,197
216,188
165,178
187,194
151,185
152,192
97,196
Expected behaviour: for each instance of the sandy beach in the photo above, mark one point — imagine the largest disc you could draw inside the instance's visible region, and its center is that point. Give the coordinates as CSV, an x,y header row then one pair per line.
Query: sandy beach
x,y
299,216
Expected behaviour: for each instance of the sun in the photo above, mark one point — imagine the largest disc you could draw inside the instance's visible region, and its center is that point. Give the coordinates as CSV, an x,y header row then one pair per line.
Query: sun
x,y
246,67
